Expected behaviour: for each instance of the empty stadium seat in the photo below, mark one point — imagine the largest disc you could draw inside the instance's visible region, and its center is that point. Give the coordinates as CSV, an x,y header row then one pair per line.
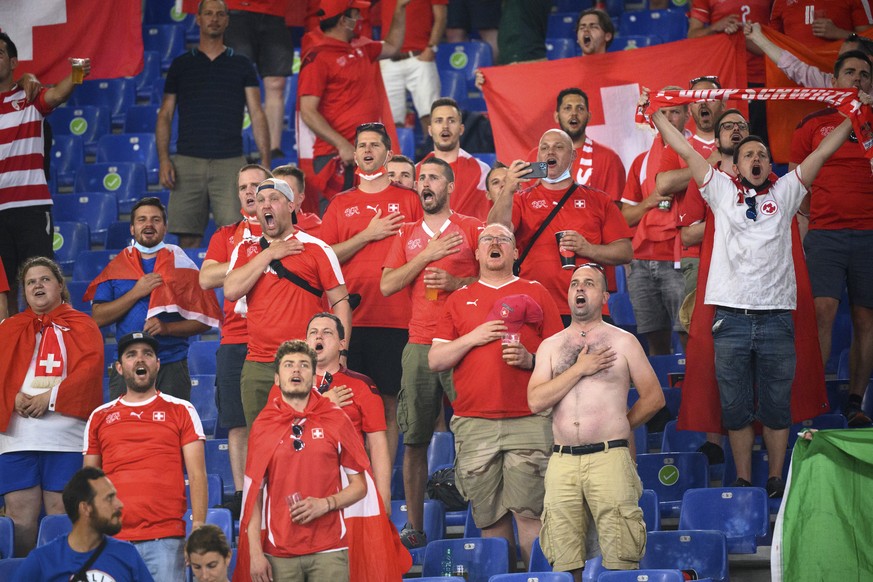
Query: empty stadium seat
x,y
651,510
533,577
538,561
434,523
742,513
622,311
67,156
481,557
562,48
53,526
821,422
97,209
642,576
576,6
117,235
669,475
454,85
9,567
465,57
203,399
127,180
141,119
77,289
201,357
397,491
562,25
218,462
151,72
665,365
168,40
704,551
116,95
441,450
70,239
668,25
685,441
197,255
219,516
131,147
90,122
406,137
214,490
89,264
7,537
631,42
290,100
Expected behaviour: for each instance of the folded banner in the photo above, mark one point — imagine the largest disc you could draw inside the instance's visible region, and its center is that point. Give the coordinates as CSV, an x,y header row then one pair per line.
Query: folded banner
x,y
844,100
49,32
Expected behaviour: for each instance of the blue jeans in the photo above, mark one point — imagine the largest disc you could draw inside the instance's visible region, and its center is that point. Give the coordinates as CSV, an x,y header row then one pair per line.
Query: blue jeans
x,y
754,350
165,558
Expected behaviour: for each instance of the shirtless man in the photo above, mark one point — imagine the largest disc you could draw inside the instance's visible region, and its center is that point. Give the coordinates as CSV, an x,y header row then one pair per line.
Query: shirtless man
x,y
584,372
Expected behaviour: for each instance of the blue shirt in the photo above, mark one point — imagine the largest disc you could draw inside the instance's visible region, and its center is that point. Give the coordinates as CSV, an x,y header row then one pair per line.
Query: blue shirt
x,y
170,348
57,561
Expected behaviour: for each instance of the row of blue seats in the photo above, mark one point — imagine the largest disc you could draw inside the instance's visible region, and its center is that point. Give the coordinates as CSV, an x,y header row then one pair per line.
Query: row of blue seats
x,y
663,25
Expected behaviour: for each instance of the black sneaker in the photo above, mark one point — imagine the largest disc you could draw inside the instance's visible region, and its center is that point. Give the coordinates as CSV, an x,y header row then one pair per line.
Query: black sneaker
x,y
856,416
412,538
714,453
740,482
775,487
234,505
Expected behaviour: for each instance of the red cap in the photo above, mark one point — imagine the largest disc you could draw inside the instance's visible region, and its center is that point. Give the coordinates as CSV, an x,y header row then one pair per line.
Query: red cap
x,y
515,311
331,8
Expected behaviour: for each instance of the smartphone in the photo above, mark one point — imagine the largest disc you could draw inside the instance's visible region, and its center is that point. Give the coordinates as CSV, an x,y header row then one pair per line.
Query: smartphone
x,y
538,170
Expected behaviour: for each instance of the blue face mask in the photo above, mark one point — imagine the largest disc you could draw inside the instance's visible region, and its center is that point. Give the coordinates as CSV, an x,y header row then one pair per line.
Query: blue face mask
x,y
148,250
560,178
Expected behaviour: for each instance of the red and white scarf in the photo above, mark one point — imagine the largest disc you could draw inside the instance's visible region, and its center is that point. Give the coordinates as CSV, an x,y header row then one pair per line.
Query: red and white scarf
x,y
50,361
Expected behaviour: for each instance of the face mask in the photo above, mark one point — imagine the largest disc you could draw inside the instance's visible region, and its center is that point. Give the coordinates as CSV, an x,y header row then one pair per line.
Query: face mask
x,y
370,177
148,250
560,178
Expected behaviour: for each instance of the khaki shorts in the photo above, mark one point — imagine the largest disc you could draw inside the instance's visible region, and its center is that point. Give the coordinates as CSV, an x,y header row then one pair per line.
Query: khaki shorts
x,y
690,267
590,497
333,566
201,184
255,382
500,465
421,395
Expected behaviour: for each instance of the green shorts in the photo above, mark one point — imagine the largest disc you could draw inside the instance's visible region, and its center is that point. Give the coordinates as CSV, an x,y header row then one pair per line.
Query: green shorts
x,y
421,395
255,382
201,184
500,465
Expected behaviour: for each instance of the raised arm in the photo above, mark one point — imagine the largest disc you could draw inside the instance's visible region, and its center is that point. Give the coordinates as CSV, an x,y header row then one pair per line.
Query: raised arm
x,y
61,92
754,35
674,138
810,167
501,212
394,39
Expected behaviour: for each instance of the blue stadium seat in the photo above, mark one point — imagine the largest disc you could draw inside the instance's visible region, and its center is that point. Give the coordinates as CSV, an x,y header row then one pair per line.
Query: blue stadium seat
x,y
163,12
615,8
441,579
576,6
219,516
742,513
53,526
642,576
664,365
97,209
821,422
397,491
533,577
482,557
622,311
214,490
841,337
168,40
71,238
406,137
9,567
201,357
7,538
466,57
203,399
703,551
126,179
89,122
562,48
667,25
77,289
131,147
218,462
197,255
562,25
290,100
151,72
441,450
67,156
641,439
681,441
454,85
538,561
631,42
620,279
110,356
114,94
434,523
117,235
651,510
89,264
669,475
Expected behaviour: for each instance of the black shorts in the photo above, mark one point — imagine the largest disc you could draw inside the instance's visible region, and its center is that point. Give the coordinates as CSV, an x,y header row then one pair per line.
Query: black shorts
x,y
474,14
377,352
264,39
25,232
229,362
838,259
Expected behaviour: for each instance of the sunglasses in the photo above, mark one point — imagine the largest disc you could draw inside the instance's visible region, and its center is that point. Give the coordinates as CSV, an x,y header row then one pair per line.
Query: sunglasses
x,y
376,126
297,435
325,383
710,78
597,266
752,210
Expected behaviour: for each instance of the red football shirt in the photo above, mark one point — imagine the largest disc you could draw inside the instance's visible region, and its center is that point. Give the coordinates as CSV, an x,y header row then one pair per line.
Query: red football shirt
x,y
486,386
709,11
589,212
468,197
348,214
795,17
692,209
411,240
842,193
279,310
140,445
309,223
419,21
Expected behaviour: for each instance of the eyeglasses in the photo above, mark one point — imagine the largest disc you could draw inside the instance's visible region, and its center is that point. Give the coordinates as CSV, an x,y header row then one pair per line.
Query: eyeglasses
x,y
730,125
752,210
376,126
709,78
297,434
597,266
325,383
501,240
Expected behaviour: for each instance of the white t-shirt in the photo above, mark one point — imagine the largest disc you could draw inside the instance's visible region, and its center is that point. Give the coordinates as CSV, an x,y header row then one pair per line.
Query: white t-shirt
x,y
752,266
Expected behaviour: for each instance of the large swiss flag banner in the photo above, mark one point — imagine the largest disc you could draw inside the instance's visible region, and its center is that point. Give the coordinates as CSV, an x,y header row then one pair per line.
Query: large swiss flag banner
x,y
49,32
521,98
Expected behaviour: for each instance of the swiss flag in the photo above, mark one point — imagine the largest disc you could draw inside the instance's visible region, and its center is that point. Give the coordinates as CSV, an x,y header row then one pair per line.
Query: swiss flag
x,y
48,32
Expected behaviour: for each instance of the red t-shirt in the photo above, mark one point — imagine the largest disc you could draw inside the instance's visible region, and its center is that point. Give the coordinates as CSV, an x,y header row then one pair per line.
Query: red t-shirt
x,y
419,22
348,214
273,7
309,222
468,197
692,209
596,166
344,80
279,310
589,212
795,17
4,283
412,240
140,445
221,245
486,386
331,446
709,11
842,193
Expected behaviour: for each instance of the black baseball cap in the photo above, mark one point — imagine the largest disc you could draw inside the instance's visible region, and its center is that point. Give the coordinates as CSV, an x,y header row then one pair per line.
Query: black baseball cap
x,y
135,338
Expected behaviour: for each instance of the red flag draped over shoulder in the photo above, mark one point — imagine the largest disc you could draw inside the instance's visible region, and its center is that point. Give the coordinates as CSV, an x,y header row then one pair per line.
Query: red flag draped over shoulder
x,y
700,409
82,390
783,117
521,98
48,32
